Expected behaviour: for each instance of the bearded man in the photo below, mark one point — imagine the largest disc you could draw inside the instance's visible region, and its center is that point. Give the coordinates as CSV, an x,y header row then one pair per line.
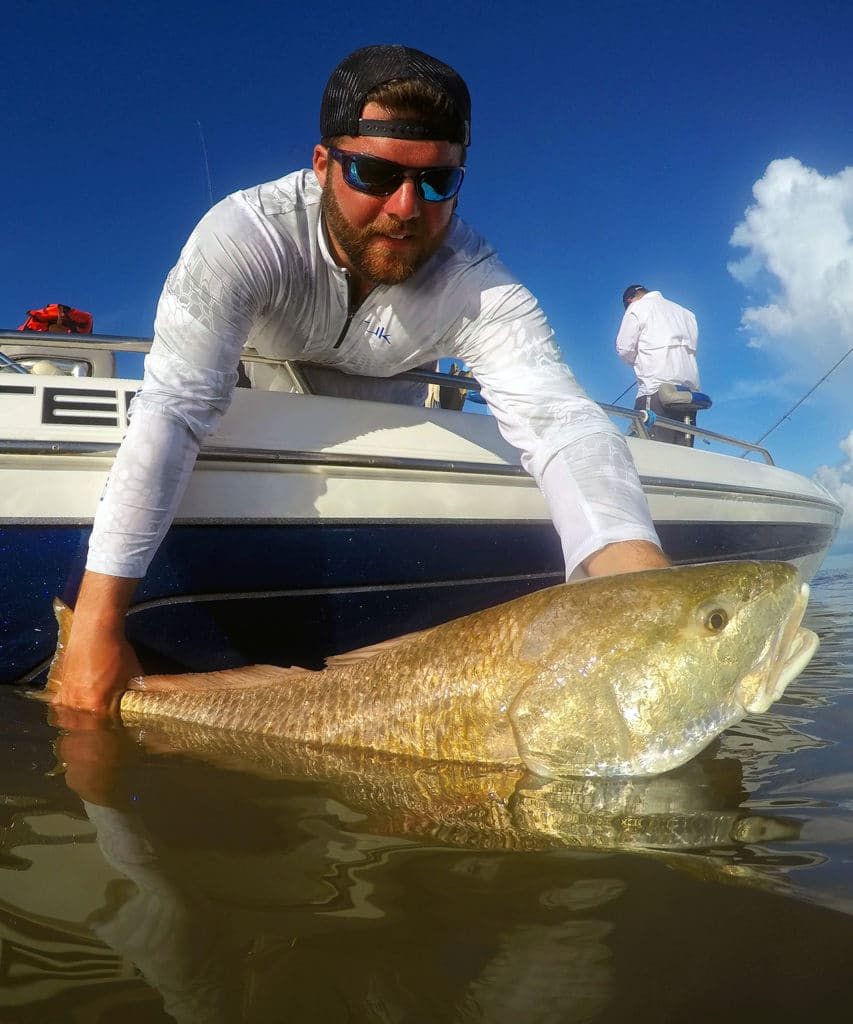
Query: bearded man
x,y
358,266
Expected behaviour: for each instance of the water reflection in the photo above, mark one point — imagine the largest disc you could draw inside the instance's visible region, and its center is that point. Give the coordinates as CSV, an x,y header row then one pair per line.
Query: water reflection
x,y
281,883
696,807
203,882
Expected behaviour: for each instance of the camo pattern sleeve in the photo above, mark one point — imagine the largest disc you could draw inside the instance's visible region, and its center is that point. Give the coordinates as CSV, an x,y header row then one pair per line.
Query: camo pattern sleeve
x,y
568,444
210,301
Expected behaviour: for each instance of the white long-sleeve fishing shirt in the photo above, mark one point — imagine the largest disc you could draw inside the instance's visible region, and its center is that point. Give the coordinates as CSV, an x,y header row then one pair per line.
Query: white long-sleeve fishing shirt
x,y
659,339
257,272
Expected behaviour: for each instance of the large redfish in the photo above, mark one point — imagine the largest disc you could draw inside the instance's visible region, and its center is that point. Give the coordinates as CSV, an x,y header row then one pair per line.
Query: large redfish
x,y
630,674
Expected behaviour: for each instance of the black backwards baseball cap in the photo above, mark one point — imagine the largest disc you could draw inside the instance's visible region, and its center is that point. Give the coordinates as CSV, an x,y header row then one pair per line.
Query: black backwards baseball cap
x,y
630,292
371,66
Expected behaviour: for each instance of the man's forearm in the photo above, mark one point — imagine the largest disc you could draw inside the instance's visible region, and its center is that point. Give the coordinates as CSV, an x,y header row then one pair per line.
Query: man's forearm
x,y
103,601
626,556
148,479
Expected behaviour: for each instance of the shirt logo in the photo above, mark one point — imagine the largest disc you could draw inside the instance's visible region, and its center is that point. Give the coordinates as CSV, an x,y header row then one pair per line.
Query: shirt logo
x,y
378,331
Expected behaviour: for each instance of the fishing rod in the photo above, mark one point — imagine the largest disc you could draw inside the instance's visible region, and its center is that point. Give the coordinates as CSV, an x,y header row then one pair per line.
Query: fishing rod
x,y
814,387
625,392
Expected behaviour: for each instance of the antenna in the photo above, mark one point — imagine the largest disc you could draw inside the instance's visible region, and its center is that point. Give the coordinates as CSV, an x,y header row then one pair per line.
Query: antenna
x,y
206,165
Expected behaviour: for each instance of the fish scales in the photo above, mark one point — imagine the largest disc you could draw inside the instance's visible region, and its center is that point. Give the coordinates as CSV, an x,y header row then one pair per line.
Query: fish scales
x,y
419,686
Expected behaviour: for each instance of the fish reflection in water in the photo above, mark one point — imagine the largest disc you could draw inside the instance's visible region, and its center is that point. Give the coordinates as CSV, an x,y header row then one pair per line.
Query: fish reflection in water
x,y
478,807
510,920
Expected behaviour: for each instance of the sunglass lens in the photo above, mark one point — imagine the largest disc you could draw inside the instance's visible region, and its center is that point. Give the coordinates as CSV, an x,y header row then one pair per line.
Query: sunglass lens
x,y
374,176
440,183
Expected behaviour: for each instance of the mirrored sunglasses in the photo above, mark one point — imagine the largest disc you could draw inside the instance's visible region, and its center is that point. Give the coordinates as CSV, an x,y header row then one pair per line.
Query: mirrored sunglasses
x,y
378,177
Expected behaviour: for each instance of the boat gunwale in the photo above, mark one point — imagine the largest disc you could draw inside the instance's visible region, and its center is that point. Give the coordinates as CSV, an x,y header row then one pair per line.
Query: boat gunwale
x,y
118,343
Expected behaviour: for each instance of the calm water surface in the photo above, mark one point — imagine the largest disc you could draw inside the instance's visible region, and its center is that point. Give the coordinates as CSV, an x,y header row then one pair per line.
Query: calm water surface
x,y
150,887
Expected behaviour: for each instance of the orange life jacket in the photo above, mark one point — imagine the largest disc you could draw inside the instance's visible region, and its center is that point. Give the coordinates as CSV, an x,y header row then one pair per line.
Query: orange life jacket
x,y
58,319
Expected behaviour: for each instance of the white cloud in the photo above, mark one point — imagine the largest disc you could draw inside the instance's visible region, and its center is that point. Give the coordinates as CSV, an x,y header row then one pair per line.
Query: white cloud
x,y
758,390
798,272
799,261
839,481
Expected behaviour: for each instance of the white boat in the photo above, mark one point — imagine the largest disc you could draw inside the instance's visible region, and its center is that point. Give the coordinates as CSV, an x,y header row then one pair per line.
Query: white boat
x,y
314,525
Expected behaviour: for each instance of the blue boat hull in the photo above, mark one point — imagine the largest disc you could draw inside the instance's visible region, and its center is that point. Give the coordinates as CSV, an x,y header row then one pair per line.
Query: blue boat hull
x,y
220,596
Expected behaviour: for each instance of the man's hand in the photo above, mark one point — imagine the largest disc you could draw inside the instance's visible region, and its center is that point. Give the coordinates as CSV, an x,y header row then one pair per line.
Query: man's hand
x,y
97,661
96,671
626,556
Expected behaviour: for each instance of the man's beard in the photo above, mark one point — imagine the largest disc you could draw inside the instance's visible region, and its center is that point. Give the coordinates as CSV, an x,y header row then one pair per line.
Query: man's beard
x,y
372,262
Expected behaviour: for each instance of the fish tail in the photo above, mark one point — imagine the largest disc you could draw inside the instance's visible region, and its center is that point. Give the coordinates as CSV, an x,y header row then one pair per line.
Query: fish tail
x,y
64,617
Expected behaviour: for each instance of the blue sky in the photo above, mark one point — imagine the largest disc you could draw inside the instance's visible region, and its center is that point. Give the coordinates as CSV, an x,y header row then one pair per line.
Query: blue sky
x,y
611,143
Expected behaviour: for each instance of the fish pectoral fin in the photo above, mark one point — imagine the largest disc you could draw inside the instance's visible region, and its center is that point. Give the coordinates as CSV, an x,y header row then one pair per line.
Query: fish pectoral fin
x,y
225,679
365,653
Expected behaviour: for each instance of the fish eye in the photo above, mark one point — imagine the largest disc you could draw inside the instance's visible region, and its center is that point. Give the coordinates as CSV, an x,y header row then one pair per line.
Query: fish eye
x,y
716,620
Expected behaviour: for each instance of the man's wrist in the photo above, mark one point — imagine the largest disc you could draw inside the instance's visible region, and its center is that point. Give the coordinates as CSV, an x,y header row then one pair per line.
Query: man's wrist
x,y
626,556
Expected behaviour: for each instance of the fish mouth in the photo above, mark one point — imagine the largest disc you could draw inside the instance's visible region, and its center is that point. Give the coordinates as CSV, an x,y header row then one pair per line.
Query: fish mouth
x,y
783,661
